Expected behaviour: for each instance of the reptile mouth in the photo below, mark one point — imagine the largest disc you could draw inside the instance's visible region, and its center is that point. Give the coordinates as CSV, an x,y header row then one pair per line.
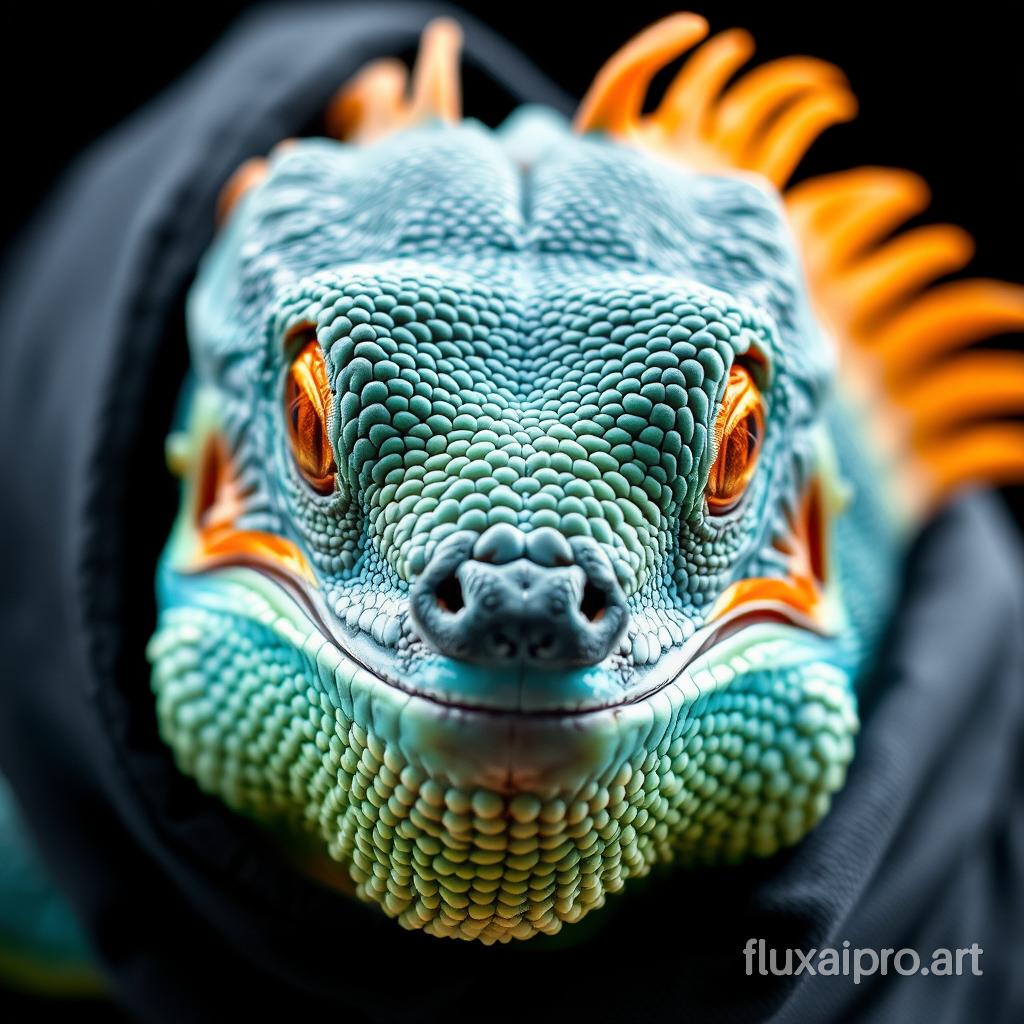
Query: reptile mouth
x,y
794,605
370,656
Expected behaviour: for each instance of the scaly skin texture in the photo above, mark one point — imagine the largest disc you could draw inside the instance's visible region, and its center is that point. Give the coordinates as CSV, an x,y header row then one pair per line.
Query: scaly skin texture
x,y
538,346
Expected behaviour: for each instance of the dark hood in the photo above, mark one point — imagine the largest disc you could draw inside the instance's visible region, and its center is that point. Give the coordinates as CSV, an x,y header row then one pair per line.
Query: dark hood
x,y
189,908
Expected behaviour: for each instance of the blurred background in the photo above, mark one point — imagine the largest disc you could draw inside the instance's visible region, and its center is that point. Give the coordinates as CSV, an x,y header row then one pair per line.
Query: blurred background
x,y
941,94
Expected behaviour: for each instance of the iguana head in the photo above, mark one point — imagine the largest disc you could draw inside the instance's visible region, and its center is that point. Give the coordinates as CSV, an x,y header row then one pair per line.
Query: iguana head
x,y
502,569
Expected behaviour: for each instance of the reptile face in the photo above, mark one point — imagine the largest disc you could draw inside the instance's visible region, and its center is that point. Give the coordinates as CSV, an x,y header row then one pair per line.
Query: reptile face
x,y
502,571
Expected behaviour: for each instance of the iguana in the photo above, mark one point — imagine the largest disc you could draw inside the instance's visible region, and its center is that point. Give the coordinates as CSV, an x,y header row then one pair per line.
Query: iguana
x,y
545,487
525,540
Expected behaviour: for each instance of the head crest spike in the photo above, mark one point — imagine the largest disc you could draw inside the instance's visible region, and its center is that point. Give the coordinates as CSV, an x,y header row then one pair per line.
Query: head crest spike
x,y
614,103
902,337
985,453
946,417
369,105
691,98
986,381
765,122
748,109
435,91
246,176
376,102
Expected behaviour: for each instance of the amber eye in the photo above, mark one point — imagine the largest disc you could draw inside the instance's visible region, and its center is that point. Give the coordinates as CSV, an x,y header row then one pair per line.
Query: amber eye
x,y
307,399
738,432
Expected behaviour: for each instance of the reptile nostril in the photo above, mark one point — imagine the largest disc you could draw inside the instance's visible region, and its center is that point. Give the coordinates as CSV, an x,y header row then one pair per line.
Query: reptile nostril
x,y
543,646
523,606
593,603
505,645
449,595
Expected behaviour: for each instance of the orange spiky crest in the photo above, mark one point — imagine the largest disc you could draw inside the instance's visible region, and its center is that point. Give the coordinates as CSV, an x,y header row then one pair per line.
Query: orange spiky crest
x,y
764,123
378,102
942,417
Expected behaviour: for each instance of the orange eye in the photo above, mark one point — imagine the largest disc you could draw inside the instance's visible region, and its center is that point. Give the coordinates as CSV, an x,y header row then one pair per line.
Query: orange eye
x,y
307,400
738,432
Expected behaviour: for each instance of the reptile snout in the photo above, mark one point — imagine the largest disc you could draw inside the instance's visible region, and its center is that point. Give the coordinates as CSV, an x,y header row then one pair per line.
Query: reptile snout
x,y
506,597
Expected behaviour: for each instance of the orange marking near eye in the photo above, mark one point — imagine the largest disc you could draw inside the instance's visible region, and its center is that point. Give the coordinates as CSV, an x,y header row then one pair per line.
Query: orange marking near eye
x,y
801,590
797,593
224,545
871,292
218,542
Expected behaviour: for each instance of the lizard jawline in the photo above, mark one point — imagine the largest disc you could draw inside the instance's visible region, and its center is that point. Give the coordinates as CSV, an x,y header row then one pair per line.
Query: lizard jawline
x,y
673,665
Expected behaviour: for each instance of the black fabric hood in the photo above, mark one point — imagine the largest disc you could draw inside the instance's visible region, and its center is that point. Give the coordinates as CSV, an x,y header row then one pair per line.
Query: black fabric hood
x,y
189,908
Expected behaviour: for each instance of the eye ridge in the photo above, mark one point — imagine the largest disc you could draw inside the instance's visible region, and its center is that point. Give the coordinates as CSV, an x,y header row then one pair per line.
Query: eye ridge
x,y
307,401
739,428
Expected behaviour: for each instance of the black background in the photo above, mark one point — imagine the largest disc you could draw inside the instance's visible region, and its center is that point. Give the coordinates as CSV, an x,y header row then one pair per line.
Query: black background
x,y
940,94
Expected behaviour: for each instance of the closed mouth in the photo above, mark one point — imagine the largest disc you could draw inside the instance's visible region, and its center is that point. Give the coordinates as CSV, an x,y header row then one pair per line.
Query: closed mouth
x,y
700,649
795,608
